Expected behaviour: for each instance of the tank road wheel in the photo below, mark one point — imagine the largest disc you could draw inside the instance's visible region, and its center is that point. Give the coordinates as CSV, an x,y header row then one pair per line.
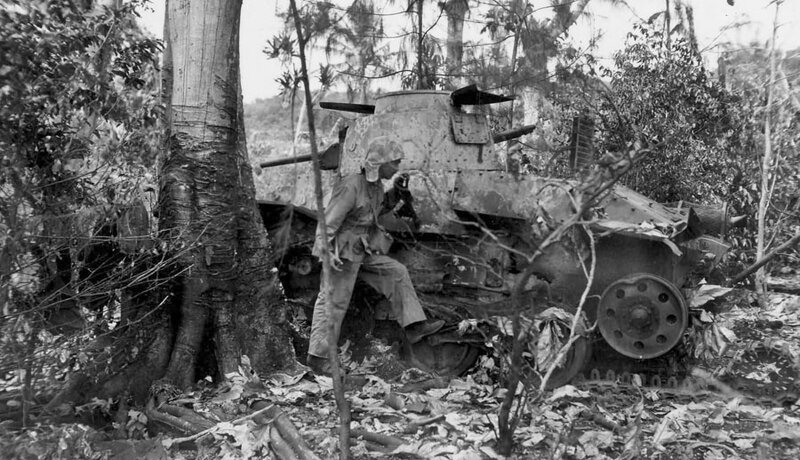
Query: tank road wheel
x,y
642,316
447,359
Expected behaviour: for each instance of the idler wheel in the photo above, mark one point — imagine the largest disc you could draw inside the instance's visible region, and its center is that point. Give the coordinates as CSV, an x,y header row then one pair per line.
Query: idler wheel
x,y
573,364
642,316
575,359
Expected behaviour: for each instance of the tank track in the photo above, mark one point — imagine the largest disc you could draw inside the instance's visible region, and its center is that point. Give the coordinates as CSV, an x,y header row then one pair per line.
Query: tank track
x,y
672,376
667,370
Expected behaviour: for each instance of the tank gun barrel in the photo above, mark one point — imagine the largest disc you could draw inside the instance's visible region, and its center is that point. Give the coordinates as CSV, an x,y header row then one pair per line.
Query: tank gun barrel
x,y
513,133
329,159
368,109
286,161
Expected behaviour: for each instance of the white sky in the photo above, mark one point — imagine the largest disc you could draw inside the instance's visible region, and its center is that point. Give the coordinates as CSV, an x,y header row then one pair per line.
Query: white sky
x,y
713,23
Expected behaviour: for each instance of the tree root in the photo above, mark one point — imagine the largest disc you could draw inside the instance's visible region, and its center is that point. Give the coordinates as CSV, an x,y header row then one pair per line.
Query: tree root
x,y
280,447
286,441
188,415
286,429
388,442
414,426
200,434
177,423
74,391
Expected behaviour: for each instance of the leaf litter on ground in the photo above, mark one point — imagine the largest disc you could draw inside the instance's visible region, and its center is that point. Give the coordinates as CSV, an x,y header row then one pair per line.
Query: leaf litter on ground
x,y
463,412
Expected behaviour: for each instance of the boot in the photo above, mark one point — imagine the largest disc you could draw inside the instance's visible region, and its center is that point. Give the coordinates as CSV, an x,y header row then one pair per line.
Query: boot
x,y
320,366
421,329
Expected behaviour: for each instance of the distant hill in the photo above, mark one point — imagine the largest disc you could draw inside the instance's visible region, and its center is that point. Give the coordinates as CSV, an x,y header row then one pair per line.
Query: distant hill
x,y
268,125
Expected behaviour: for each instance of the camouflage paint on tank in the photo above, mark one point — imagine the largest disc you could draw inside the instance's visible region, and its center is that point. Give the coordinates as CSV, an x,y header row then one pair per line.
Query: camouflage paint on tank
x,y
424,123
292,184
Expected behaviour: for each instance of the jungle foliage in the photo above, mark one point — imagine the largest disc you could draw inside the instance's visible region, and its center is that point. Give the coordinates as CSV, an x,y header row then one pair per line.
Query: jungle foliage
x,y
79,134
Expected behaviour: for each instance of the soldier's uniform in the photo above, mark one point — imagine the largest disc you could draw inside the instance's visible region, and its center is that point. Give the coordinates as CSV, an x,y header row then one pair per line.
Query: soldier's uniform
x,y
356,237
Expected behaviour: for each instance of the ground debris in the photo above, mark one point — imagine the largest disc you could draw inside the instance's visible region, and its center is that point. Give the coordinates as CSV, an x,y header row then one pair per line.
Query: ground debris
x,y
412,414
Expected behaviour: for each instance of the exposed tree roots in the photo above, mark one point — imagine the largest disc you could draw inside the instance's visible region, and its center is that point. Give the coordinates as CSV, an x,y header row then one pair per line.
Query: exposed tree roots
x,y
285,440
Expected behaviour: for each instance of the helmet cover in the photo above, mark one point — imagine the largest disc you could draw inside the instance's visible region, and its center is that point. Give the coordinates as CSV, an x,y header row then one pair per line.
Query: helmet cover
x,y
379,151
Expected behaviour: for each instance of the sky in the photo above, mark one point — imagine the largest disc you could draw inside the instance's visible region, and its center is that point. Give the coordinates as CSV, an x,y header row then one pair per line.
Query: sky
x,y
714,21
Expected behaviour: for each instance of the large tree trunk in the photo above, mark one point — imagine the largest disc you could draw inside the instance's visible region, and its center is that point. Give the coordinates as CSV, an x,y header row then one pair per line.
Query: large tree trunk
x,y
207,199
260,313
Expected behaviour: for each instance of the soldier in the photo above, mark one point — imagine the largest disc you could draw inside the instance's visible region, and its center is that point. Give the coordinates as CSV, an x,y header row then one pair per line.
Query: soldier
x,y
358,245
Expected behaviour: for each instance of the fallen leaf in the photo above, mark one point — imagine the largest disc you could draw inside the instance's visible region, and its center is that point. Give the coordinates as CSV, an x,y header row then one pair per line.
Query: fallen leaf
x,y
438,393
546,347
664,433
652,395
567,391
781,430
760,376
719,435
460,421
533,439
706,293
429,450
597,438
469,454
281,379
745,443
467,325
458,396
714,454
489,452
294,396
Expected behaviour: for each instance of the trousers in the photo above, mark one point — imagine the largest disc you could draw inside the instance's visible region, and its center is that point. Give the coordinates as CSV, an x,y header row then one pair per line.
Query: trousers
x,y
386,275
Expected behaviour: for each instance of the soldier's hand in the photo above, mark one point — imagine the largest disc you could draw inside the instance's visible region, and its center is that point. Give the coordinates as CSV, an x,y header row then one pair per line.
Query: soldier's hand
x,y
400,195
401,182
336,262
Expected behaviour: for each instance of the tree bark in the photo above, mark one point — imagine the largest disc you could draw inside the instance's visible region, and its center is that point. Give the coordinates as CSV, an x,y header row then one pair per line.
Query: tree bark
x,y
260,314
207,197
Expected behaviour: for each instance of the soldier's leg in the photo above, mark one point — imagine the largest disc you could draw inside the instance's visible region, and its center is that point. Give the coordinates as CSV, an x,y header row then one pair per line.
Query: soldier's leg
x,y
341,289
390,278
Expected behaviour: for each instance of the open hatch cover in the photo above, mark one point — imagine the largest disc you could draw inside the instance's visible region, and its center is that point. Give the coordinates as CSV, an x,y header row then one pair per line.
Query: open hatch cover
x,y
471,95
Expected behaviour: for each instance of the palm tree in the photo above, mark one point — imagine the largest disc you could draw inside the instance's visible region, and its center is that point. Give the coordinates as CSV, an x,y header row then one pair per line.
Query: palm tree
x,y
685,22
357,38
456,11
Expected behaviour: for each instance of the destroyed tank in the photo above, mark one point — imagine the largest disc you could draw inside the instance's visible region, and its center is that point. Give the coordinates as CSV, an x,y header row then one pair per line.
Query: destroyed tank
x,y
467,220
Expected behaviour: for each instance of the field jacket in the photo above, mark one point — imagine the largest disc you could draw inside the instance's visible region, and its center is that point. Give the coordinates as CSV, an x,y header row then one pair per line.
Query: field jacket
x,y
351,219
